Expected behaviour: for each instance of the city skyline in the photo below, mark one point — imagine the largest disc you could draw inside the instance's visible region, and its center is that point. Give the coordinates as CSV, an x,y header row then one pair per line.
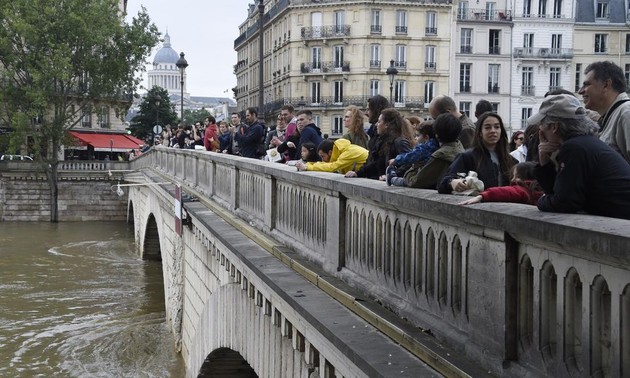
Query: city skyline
x,y
210,54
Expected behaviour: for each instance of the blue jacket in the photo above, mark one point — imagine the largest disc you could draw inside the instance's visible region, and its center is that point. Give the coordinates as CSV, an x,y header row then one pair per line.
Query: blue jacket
x,y
310,133
421,153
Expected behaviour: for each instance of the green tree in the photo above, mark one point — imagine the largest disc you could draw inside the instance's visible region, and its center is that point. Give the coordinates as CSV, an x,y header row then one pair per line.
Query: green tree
x,y
58,58
192,116
155,108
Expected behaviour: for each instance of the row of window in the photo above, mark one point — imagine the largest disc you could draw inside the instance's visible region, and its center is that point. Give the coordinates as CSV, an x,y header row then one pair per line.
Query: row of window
x,y
102,118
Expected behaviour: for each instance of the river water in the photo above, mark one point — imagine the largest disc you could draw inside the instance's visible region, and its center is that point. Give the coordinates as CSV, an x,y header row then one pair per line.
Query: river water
x,y
76,301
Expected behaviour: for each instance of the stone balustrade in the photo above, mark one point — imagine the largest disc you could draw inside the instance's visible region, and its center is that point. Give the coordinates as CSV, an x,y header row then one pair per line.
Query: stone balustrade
x,y
516,289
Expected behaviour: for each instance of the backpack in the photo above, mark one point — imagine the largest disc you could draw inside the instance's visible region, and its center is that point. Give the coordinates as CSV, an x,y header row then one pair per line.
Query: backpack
x,y
262,148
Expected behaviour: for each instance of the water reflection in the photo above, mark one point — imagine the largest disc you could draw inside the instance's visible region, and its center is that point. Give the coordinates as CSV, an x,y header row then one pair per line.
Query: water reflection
x,y
76,301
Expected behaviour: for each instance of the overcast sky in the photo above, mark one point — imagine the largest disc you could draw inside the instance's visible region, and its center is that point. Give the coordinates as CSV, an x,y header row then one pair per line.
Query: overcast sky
x,y
205,31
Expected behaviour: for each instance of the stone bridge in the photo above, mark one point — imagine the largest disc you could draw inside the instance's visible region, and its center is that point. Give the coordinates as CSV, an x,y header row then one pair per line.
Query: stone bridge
x,y
278,273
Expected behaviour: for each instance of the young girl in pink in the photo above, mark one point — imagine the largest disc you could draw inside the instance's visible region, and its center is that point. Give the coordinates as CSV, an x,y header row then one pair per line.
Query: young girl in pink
x,y
523,189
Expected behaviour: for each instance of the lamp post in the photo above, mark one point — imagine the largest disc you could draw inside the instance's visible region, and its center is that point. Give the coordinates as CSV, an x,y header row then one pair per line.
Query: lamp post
x,y
111,149
261,90
157,118
391,72
181,64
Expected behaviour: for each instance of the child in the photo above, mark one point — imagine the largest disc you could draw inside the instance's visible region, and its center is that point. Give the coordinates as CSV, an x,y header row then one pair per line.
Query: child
x,y
309,154
523,189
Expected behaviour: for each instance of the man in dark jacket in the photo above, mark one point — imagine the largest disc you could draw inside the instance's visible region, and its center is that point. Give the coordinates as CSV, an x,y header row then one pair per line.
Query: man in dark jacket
x,y
249,140
577,171
309,132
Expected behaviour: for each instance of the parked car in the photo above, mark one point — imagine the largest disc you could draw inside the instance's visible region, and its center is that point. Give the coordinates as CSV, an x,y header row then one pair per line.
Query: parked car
x,y
16,157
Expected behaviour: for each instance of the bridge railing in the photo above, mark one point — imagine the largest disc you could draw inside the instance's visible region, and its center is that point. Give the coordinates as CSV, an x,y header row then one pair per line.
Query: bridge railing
x,y
509,286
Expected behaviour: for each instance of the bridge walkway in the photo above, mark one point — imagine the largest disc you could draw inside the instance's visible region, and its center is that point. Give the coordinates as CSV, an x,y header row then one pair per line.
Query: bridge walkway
x,y
385,344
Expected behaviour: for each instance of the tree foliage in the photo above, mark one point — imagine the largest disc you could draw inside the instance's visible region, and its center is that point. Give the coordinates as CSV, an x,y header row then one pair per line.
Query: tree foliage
x,y
58,58
192,116
151,113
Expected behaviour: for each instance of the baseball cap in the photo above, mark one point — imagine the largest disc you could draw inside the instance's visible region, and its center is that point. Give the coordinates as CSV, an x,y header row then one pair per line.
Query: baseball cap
x,y
562,106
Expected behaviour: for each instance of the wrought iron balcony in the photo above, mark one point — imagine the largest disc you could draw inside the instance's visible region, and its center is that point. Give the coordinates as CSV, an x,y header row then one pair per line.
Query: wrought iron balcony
x,y
325,32
325,67
400,64
465,49
375,64
430,66
401,30
430,31
376,29
483,15
464,88
493,88
337,103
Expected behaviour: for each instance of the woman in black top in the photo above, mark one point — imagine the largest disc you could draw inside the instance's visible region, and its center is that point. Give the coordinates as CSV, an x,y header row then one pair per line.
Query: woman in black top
x,y
394,136
489,157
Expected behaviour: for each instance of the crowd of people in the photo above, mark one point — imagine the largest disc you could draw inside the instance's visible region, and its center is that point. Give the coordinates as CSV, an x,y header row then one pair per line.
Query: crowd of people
x,y
573,157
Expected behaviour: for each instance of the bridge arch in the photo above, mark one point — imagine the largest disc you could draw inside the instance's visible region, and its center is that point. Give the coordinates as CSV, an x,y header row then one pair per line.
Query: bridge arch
x,y
130,215
151,243
225,362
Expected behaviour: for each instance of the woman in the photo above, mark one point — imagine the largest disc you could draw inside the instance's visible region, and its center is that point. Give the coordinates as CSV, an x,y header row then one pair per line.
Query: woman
x,y
225,137
489,157
353,121
393,137
517,140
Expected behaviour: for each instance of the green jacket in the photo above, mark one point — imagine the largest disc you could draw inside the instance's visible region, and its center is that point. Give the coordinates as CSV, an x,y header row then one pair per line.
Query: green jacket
x,y
428,176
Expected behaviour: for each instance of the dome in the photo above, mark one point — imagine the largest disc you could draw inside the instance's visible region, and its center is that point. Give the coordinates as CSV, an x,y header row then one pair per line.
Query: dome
x,y
166,54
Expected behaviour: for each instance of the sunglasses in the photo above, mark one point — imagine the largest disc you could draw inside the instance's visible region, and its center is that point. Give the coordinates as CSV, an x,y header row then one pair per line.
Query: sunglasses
x,y
520,138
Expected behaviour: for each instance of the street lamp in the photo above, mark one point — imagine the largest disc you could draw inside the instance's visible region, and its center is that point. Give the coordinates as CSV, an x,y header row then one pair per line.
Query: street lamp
x,y
391,72
181,64
156,128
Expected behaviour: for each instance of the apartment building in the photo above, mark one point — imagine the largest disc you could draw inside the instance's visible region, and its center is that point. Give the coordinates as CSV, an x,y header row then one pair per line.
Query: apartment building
x,y
482,50
602,32
325,55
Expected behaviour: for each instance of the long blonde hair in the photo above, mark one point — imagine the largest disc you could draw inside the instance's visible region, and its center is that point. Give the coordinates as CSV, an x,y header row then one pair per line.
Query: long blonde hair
x,y
356,121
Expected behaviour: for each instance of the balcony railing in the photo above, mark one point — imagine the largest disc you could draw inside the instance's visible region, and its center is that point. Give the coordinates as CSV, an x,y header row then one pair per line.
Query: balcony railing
x,y
402,64
542,53
430,31
494,50
375,64
430,66
493,88
483,15
401,29
323,102
528,90
464,88
325,67
465,49
325,32
376,29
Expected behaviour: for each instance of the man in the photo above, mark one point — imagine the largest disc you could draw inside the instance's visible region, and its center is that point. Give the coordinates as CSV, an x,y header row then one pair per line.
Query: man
x,y
339,156
604,91
211,137
443,104
276,136
482,107
287,114
577,171
309,132
249,140
236,126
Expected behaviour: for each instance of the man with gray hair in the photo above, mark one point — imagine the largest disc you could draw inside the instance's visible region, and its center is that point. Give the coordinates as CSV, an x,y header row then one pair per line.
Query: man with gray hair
x,y
604,91
577,171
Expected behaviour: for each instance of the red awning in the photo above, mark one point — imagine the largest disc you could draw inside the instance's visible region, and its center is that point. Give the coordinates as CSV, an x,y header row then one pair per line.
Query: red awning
x,y
108,142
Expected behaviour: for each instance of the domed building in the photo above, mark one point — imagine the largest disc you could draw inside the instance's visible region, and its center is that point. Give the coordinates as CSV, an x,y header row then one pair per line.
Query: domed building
x,y
165,73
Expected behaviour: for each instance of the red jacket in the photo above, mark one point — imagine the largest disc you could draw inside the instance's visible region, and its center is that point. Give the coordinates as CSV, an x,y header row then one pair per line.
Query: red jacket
x,y
210,137
527,192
